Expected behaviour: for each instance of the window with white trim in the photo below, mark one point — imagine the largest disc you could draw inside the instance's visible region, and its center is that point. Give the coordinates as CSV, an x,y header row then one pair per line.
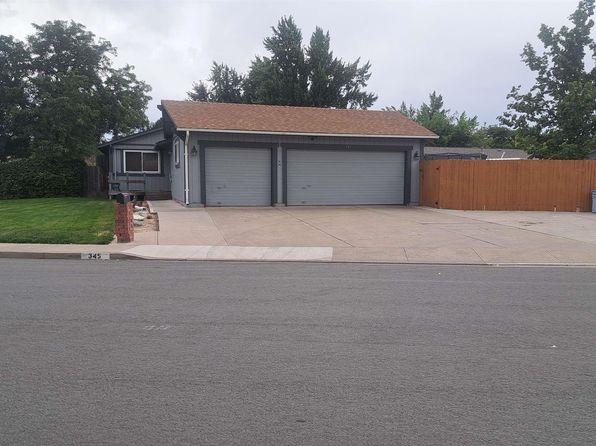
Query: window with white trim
x,y
177,152
140,161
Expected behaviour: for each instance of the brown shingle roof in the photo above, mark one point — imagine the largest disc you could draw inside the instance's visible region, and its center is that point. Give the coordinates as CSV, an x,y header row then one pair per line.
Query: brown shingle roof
x,y
191,115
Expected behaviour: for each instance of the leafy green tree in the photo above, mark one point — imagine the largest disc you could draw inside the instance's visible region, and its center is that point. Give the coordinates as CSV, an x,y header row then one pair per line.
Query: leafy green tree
x,y
292,75
463,131
73,94
199,92
156,125
454,129
556,118
286,66
332,82
495,136
14,98
226,84
436,118
408,111
123,99
322,68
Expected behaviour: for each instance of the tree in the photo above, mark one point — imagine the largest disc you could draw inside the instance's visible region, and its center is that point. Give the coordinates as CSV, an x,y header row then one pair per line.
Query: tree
x,y
14,99
199,92
495,136
407,111
454,129
556,118
156,125
286,66
70,93
226,84
436,118
463,131
292,75
323,68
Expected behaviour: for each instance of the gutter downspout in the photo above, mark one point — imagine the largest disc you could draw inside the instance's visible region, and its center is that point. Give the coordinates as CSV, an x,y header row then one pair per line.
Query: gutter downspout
x,y
186,175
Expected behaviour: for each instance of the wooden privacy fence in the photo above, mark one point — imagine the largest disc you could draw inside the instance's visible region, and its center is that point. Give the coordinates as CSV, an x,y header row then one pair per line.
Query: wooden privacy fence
x,y
516,185
94,182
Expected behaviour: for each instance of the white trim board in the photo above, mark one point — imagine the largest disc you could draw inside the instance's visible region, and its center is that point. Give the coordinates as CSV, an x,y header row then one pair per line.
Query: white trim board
x,y
347,135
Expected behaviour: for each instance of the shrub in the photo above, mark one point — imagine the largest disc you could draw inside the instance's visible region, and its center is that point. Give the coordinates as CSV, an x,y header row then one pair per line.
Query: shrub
x,y
41,177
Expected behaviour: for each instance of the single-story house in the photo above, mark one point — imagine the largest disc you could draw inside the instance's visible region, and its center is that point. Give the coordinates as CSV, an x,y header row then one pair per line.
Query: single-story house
x,y
217,154
473,153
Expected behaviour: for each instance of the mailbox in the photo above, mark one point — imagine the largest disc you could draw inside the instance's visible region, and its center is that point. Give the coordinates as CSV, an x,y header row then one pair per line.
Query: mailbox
x,y
123,198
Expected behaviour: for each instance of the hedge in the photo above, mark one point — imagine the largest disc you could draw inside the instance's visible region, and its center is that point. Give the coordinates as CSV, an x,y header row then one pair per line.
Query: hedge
x,y
38,177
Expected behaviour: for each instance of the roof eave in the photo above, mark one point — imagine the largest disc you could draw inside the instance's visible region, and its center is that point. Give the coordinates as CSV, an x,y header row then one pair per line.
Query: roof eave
x,y
260,132
127,138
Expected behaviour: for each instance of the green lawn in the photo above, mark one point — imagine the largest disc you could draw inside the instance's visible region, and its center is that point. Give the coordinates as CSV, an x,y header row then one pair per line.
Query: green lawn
x,y
56,220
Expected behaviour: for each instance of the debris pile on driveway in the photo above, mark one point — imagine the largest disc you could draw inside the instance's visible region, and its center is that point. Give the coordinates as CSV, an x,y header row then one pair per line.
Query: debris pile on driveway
x,y
139,215
143,219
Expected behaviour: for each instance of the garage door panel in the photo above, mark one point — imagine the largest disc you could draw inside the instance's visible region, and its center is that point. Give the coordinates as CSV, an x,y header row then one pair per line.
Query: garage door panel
x,y
238,177
327,177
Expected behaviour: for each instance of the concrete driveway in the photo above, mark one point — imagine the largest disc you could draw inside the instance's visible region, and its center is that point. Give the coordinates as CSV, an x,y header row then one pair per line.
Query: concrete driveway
x,y
389,234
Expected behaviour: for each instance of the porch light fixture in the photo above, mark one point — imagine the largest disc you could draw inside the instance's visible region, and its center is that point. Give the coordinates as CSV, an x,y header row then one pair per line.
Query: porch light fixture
x,y
416,155
193,151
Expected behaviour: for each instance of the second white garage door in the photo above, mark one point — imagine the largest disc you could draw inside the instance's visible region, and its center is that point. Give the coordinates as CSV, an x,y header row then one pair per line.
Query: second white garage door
x,y
237,177
333,177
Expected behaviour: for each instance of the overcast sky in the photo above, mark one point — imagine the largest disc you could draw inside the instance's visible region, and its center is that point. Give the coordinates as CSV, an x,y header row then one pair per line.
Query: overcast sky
x,y
469,51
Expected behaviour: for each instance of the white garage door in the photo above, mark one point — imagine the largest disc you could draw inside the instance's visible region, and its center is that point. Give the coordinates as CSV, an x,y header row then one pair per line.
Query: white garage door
x,y
238,177
327,177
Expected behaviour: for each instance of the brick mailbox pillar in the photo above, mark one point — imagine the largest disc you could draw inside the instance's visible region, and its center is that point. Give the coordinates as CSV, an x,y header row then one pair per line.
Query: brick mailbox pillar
x,y
123,217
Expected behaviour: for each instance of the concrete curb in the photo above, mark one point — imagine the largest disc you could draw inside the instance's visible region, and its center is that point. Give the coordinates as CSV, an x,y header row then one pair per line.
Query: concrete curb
x,y
58,255
123,256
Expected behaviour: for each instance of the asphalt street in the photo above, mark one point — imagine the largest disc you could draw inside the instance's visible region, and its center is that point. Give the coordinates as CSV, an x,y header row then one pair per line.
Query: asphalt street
x,y
143,352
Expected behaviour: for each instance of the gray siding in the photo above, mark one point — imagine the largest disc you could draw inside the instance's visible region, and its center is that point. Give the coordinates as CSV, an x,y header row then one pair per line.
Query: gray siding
x,y
415,172
177,173
194,163
154,183
339,177
204,140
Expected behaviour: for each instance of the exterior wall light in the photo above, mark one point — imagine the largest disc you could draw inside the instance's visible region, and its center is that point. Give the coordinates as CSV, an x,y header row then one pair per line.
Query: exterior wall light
x,y
193,151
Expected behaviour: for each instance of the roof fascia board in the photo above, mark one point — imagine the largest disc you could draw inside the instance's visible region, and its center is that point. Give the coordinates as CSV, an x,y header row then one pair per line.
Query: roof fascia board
x,y
128,138
257,132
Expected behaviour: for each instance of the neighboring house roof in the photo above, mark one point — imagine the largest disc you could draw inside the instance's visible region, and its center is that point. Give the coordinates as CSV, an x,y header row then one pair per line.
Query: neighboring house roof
x,y
455,156
491,154
129,137
249,118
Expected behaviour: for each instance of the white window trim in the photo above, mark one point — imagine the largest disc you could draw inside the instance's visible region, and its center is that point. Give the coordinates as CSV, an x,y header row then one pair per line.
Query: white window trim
x,y
176,151
151,172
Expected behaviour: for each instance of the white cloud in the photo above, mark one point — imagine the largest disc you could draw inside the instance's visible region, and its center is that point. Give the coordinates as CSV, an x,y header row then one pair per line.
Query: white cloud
x,y
466,50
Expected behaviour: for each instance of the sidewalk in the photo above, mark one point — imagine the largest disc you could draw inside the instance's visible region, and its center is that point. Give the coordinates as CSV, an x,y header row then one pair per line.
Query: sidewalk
x,y
440,255
349,234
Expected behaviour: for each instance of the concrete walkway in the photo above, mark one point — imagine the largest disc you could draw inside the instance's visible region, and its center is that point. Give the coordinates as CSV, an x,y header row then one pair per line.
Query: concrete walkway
x,y
353,234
